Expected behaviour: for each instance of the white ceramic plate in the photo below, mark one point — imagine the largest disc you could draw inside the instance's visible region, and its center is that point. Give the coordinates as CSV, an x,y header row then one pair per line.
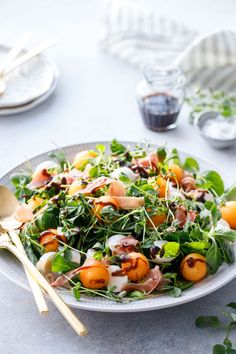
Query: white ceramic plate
x,y
32,104
10,267
28,84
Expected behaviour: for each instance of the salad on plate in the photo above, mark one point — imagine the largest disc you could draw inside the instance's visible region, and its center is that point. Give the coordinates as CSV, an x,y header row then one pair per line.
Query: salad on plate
x,y
125,224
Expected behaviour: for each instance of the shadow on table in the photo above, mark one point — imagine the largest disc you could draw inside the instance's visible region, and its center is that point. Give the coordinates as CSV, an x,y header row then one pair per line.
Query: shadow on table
x,y
162,331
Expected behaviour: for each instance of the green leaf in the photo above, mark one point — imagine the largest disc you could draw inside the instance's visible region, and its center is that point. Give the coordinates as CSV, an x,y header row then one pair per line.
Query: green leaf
x,y
183,284
98,255
93,171
217,184
171,249
117,148
227,342
226,249
219,349
61,265
175,157
230,194
195,246
98,246
191,165
137,294
109,213
213,258
231,351
124,178
233,316
209,204
76,291
207,321
175,292
49,219
232,305
60,157
161,153
215,214
229,235
101,148
20,178
30,253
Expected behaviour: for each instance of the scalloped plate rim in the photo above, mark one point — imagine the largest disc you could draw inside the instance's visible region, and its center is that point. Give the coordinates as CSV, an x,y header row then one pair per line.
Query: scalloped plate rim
x,y
98,304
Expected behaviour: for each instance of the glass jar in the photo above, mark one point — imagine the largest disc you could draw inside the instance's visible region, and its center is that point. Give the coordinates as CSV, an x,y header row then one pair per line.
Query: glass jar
x,y
160,96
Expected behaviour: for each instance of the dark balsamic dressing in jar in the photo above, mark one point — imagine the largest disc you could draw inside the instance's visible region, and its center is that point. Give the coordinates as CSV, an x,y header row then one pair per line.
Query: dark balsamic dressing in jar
x,y
160,96
159,110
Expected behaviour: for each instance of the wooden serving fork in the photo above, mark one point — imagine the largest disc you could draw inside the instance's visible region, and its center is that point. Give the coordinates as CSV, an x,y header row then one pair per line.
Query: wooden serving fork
x,y
5,242
8,201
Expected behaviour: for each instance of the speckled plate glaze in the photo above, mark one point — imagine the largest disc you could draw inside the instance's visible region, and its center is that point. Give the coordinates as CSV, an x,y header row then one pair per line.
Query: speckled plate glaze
x,y
28,85
11,268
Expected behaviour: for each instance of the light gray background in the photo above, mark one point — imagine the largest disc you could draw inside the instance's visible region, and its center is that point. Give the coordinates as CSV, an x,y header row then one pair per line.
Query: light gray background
x,y
95,101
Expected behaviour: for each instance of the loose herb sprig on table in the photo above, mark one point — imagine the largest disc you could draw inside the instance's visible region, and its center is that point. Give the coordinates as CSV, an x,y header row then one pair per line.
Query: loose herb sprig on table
x,y
215,322
205,100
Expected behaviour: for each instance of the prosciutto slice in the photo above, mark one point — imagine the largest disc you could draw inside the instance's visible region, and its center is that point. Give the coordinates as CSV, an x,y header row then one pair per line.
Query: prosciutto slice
x,y
150,161
191,215
183,216
188,183
72,175
40,179
127,244
116,189
152,281
129,202
63,280
97,183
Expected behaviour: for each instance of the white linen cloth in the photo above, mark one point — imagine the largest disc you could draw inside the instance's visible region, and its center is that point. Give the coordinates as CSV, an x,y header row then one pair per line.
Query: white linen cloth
x,y
135,34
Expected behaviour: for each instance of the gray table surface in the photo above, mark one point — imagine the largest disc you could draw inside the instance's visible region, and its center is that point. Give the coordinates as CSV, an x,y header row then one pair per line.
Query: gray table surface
x,y
95,101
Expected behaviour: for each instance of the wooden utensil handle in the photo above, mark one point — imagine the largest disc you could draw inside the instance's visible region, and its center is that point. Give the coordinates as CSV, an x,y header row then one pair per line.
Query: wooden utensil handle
x,y
14,51
31,54
56,299
36,289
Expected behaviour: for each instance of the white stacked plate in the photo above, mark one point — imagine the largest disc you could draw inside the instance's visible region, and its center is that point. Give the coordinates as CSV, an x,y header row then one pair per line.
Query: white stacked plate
x,y
28,85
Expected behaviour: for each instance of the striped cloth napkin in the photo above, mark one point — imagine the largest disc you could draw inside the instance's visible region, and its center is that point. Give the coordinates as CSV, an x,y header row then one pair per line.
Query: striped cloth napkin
x,y
135,34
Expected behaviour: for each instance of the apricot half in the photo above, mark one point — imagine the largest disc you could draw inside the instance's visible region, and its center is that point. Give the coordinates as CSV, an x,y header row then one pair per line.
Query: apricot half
x,y
35,202
193,267
136,267
156,220
82,158
228,212
162,185
49,240
94,275
177,173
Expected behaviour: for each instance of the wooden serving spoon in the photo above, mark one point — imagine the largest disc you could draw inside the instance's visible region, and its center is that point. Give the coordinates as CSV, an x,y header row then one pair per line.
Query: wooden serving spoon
x,y
8,205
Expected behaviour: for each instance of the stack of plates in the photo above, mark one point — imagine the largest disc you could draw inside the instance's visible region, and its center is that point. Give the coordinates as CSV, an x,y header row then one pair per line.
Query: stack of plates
x,y
28,85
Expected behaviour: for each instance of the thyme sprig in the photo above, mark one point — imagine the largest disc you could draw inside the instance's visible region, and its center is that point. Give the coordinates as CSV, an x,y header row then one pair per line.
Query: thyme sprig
x,y
215,322
210,100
